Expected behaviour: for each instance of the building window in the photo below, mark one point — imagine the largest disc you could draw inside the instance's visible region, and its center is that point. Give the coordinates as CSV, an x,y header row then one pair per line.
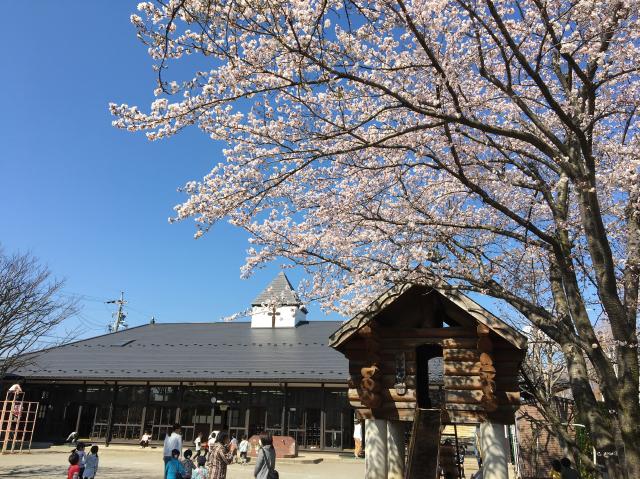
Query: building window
x,y
304,416
127,421
267,405
164,394
132,395
99,394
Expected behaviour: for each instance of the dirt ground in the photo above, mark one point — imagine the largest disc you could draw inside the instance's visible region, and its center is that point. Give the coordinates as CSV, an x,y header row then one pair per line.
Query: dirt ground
x,y
134,463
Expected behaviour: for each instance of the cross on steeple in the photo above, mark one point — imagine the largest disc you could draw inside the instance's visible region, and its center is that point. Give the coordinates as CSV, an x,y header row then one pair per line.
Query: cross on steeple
x,y
273,313
277,306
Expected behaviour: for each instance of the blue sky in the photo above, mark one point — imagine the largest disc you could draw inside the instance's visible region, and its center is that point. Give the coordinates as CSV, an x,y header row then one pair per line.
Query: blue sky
x,y
91,201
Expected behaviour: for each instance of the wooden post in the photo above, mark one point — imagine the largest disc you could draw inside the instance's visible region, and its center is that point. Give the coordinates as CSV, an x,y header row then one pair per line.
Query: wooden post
x,y
285,415
487,370
144,409
323,418
4,429
78,419
395,449
375,449
248,413
495,451
33,429
112,408
179,408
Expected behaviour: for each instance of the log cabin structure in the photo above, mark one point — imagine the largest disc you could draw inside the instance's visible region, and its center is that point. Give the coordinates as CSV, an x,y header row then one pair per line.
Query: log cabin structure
x,y
394,345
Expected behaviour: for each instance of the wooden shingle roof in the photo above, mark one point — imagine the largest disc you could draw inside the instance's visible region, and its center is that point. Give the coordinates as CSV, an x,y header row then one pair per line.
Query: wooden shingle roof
x,y
470,307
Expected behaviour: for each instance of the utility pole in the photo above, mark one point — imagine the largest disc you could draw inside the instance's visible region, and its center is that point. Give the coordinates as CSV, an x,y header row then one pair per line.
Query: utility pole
x,y
119,315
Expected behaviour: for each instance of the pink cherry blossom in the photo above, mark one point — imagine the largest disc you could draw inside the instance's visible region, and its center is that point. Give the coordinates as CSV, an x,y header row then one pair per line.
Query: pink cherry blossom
x,y
490,146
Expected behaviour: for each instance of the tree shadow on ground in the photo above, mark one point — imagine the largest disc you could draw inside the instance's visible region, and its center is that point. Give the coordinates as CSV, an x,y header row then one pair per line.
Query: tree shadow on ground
x,y
45,472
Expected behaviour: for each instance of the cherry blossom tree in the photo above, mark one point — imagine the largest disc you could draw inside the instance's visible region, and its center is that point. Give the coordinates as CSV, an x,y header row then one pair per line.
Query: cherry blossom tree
x,y
490,144
544,379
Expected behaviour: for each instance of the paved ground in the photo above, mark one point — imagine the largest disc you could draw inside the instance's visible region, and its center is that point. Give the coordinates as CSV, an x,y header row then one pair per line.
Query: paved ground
x,y
131,463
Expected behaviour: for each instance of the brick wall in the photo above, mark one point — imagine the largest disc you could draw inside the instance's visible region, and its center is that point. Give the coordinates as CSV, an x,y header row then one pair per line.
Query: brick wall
x,y
537,446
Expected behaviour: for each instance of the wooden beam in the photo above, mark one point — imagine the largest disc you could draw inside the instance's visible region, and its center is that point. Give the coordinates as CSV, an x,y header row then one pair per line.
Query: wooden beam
x,y
470,368
463,343
472,354
385,367
387,394
460,354
475,397
387,381
461,368
509,383
463,417
390,414
444,333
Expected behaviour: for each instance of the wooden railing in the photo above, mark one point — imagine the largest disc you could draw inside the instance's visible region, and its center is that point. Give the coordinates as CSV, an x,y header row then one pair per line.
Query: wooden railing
x,y
424,446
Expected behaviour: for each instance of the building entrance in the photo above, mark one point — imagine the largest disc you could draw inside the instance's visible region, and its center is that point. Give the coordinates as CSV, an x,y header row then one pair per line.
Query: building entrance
x,y
313,429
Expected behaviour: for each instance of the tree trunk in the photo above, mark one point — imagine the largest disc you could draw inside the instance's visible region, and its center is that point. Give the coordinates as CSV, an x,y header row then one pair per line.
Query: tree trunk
x,y
589,413
630,429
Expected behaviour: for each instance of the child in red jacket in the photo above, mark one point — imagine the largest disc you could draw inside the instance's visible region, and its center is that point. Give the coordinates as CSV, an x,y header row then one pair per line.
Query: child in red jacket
x,y
74,469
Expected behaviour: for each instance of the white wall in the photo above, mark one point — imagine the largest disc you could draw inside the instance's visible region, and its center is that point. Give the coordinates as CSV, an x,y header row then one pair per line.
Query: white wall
x,y
289,317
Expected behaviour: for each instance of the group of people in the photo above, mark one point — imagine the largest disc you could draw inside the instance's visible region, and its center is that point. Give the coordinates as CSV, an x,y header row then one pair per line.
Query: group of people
x,y
222,450
82,465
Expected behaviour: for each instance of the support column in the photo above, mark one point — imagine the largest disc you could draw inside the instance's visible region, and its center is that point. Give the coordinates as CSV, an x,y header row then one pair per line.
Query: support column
x,y
285,409
77,429
375,432
395,450
323,417
112,412
495,451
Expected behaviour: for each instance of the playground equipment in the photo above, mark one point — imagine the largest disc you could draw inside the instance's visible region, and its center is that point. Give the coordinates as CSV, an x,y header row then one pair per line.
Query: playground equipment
x,y
17,421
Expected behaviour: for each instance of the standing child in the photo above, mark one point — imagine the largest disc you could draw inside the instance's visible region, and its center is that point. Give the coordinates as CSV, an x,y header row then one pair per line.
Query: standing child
x,y
188,464
174,469
74,469
234,445
91,464
243,448
81,454
200,472
144,440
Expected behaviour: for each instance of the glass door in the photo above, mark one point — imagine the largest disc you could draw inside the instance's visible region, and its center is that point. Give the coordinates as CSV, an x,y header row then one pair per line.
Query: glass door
x,y
256,420
297,429
333,429
236,422
313,428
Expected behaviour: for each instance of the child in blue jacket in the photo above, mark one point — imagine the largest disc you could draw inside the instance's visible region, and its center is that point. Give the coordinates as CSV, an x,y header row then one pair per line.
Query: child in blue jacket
x,y
174,466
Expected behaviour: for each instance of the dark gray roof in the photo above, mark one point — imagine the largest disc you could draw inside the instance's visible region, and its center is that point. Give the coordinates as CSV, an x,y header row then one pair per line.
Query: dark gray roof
x,y
278,292
198,352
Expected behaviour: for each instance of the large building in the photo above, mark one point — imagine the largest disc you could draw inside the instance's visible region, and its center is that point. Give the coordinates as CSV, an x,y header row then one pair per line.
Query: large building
x,y
275,373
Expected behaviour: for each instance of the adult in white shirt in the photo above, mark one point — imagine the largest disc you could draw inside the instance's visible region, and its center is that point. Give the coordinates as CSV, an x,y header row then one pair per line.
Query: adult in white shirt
x,y
357,438
171,442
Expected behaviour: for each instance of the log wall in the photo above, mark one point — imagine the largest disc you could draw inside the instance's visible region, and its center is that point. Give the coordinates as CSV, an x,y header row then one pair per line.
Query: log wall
x,y
480,373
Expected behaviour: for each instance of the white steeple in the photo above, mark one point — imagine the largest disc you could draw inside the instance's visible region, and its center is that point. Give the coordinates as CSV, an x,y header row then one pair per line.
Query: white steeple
x,y
278,306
